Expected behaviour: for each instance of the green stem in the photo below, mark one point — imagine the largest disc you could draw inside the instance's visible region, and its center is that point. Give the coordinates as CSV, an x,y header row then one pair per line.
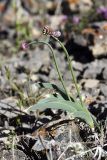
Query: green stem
x,y
74,80
71,69
56,65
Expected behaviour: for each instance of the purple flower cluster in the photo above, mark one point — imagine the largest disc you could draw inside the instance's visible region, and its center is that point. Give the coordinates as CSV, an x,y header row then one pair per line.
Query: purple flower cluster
x,y
102,11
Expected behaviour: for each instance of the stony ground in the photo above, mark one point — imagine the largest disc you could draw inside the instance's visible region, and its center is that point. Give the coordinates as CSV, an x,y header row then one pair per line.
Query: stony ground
x,y
20,70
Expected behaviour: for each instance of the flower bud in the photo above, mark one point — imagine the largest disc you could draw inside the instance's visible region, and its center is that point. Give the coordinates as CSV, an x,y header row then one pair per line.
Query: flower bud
x,y
24,46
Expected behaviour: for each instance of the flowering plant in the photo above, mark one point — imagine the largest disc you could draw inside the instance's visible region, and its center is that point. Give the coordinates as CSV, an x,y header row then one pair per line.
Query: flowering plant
x,y
63,100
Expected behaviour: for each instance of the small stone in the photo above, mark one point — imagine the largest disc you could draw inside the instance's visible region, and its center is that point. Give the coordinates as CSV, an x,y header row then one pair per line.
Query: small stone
x,y
93,69
99,50
34,77
86,4
22,78
105,74
77,66
91,83
103,89
36,33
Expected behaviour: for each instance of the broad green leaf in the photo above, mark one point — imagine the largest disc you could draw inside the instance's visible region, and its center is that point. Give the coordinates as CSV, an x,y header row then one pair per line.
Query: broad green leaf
x,y
53,103
69,106
75,105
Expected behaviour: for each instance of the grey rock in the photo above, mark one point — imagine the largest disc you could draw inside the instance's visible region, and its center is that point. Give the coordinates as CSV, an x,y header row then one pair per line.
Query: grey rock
x,y
53,75
18,155
103,89
91,83
99,49
61,61
21,79
8,107
86,4
34,78
80,40
77,66
94,69
105,73
43,78
100,41
67,75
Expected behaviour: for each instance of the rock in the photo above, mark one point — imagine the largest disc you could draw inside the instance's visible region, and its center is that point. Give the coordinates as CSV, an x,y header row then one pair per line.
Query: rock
x,y
80,40
43,78
76,6
33,7
99,49
10,19
56,21
99,110
53,74
91,83
77,66
103,89
36,33
67,75
21,79
105,73
45,69
100,39
8,155
86,4
7,109
34,77
94,69
61,61
33,62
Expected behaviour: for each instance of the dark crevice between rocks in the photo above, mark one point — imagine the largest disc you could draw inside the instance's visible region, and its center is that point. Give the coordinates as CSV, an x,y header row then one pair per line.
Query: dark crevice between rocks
x,y
100,76
26,145
80,53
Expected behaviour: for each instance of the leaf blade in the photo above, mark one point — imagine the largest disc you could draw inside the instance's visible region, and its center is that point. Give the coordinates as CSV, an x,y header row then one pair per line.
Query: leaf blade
x,y
53,103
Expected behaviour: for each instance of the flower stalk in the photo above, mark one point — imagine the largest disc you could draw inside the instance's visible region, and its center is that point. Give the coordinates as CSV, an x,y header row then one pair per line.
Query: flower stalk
x,y
55,62
71,68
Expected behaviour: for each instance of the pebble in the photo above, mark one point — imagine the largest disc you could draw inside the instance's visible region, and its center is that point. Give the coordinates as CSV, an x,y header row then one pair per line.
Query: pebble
x,y
91,83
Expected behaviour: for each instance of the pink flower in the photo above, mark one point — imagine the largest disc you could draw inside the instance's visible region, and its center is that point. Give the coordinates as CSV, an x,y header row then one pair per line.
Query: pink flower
x,y
56,33
24,46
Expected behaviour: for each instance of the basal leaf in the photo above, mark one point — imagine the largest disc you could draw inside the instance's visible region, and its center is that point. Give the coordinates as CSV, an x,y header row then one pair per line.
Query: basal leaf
x,y
69,106
53,103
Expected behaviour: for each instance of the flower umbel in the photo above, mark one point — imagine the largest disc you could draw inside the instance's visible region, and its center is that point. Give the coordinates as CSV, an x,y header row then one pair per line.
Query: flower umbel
x,y
49,31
